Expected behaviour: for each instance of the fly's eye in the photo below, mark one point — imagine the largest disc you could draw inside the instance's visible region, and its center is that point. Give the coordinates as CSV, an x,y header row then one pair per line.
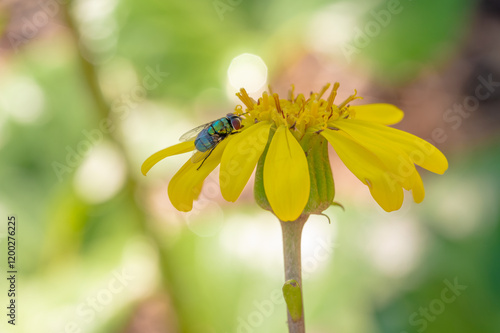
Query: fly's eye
x,y
236,122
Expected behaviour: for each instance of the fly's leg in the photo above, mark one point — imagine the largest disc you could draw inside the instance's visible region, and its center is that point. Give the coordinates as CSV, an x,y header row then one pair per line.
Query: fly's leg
x,y
211,150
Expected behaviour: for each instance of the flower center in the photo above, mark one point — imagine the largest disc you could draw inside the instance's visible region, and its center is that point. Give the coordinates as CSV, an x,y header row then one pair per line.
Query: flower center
x,y
299,114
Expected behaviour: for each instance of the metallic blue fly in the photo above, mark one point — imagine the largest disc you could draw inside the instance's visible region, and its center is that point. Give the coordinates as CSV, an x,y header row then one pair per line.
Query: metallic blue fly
x,y
209,135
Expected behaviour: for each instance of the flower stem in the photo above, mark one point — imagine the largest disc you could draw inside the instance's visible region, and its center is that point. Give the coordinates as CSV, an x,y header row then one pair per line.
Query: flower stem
x,y
292,232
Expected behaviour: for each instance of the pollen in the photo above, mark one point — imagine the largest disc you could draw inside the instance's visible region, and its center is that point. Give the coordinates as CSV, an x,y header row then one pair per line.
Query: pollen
x,y
300,114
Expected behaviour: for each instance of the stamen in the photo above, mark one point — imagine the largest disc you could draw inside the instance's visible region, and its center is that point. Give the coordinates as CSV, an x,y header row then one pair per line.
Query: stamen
x,y
265,100
300,98
243,96
350,99
314,108
332,96
302,107
322,126
278,106
290,93
270,89
325,120
323,90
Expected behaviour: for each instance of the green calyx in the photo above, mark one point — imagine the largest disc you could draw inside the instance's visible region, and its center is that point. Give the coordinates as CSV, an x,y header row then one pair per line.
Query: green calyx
x,y
320,173
259,192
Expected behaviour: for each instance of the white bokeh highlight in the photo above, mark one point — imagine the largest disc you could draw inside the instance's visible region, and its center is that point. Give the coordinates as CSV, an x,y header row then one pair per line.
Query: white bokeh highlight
x,y
395,246
101,175
247,71
22,99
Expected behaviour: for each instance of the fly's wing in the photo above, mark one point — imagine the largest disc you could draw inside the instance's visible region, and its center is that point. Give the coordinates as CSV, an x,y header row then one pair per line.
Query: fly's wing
x,y
194,132
199,156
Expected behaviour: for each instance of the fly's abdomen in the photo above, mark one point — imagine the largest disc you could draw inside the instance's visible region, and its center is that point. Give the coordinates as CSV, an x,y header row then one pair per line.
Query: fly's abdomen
x,y
204,141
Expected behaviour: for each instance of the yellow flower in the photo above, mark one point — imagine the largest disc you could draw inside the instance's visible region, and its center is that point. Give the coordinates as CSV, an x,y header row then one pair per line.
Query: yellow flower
x,y
287,140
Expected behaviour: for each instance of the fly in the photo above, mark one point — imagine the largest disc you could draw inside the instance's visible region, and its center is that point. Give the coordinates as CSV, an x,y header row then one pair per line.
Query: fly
x,y
209,135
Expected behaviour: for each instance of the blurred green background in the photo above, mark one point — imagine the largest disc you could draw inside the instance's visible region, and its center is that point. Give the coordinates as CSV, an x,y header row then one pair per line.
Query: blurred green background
x,y
90,88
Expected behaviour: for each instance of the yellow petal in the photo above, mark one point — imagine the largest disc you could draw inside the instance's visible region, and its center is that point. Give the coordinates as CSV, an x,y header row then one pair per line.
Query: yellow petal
x,y
186,184
386,114
420,151
392,156
286,176
418,190
179,148
367,168
240,157
197,190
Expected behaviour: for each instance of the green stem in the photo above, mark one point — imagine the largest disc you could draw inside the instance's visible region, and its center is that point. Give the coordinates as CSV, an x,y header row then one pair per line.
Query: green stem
x,y
292,233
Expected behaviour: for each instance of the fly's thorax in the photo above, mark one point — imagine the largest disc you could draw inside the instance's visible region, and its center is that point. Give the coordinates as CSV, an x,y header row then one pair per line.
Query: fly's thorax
x,y
221,126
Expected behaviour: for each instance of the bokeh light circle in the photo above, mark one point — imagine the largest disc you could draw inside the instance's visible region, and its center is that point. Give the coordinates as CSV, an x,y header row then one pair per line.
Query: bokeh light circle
x,y
247,71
